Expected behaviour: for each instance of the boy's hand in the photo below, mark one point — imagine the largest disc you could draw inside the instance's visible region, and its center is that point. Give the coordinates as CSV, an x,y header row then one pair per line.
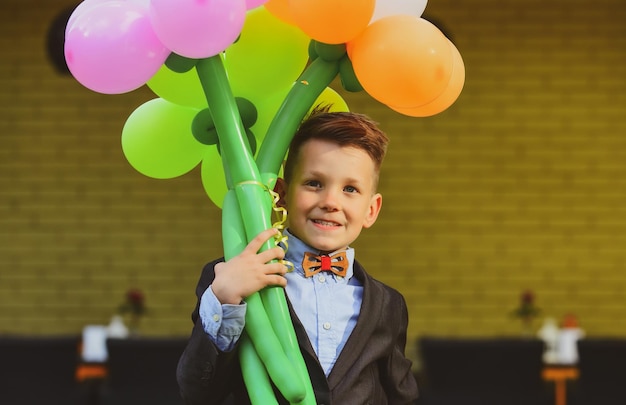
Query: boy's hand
x,y
249,271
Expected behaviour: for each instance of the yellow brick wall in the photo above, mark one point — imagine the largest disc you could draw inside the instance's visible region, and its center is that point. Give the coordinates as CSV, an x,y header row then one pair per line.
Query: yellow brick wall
x,y
520,184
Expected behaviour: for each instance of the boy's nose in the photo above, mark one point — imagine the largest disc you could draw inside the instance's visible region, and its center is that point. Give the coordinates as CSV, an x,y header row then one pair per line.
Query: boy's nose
x,y
330,201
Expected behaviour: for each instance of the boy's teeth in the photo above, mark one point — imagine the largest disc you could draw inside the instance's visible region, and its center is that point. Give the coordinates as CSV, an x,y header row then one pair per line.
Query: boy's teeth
x,y
324,222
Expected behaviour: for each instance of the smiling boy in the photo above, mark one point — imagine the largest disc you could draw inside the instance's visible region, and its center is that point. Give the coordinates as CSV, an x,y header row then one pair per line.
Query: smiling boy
x,y
351,328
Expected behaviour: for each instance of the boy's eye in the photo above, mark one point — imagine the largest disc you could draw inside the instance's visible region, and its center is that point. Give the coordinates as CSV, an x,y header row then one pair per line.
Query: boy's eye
x,y
350,189
313,183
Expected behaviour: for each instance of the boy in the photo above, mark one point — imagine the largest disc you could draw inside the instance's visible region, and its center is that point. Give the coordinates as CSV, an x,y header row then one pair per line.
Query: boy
x,y
351,328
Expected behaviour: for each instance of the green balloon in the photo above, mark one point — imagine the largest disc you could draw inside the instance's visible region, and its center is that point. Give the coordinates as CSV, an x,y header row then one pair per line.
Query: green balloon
x,y
312,51
213,178
249,136
180,64
330,52
247,110
178,88
203,128
254,202
269,56
267,107
349,81
157,140
251,141
331,98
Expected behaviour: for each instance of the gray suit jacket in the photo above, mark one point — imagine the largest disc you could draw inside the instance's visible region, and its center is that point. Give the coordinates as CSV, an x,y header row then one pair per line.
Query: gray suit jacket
x,y
371,369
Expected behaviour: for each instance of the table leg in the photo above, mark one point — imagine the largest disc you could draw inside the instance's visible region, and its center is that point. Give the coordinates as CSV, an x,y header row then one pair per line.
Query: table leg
x,y
560,392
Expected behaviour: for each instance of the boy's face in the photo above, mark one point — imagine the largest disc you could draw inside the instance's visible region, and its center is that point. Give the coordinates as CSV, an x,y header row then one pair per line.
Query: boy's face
x,y
331,196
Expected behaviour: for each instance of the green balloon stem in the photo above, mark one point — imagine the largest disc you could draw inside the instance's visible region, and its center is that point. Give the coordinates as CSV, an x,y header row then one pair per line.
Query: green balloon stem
x,y
255,209
315,78
226,118
254,374
298,102
234,147
271,298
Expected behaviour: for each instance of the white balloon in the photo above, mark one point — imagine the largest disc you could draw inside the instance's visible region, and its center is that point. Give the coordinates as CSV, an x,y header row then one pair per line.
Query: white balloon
x,y
386,8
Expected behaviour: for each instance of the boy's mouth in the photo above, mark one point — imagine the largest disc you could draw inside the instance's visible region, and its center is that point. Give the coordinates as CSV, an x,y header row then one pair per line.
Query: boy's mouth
x,y
325,223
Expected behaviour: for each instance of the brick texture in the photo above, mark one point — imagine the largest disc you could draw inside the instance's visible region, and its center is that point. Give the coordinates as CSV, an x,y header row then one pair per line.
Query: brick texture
x,y
519,185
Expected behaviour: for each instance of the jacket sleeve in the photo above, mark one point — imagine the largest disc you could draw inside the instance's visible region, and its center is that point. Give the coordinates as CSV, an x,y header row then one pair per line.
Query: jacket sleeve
x,y
205,374
397,377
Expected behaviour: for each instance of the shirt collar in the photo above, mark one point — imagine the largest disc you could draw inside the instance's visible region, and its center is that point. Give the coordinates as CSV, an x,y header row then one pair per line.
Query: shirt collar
x,y
296,249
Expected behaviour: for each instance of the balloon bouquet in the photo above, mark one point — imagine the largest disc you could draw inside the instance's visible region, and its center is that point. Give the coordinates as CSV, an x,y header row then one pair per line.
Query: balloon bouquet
x,y
234,74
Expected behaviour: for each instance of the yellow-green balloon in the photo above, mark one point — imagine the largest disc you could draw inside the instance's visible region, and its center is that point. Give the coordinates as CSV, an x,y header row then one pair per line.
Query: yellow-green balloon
x,y
213,178
268,56
179,88
266,109
157,139
332,98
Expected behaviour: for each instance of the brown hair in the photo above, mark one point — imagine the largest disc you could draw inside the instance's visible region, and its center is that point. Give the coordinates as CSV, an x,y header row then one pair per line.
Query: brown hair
x,y
344,129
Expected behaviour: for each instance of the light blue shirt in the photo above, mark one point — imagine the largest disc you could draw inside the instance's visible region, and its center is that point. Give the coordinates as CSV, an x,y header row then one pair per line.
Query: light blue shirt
x,y
327,305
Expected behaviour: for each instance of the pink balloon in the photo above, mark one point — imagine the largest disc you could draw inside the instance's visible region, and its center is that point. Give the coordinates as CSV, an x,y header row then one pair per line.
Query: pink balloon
x,y
197,28
250,4
87,4
81,8
111,48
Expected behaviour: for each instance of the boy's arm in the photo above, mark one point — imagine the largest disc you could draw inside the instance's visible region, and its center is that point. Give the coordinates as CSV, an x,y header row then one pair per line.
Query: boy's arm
x,y
398,379
206,374
222,322
208,369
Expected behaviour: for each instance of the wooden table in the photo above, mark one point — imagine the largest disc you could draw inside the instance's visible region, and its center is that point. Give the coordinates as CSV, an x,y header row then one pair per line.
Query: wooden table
x,y
87,371
560,374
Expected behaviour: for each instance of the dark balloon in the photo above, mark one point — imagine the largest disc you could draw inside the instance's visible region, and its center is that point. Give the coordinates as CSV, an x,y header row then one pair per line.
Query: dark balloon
x,y
55,40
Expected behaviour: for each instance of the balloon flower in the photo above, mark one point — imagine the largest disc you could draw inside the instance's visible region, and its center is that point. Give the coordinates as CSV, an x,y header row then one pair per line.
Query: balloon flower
x,y
234,80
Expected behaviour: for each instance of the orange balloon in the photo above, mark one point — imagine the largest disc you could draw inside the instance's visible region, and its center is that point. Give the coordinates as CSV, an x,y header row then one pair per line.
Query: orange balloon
x,y
332,21
280,10
402,60
445,99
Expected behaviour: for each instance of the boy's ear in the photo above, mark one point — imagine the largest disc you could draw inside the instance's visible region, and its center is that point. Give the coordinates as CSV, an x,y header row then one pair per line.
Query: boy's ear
x,y
376,204
280,188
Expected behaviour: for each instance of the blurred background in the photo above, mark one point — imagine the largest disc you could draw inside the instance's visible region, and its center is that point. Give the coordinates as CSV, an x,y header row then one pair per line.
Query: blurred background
x,y
519,187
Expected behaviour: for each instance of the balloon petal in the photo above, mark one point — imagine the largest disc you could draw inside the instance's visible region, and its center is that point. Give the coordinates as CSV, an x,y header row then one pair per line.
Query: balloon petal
x,y
331,98
213,178
111,48
280,10
332,21
250,4
157,140
178,88
402,60
269,55
197,29
445,99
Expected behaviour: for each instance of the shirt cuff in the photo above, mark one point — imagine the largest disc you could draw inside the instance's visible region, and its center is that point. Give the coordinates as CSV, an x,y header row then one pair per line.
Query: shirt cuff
x,y
223,323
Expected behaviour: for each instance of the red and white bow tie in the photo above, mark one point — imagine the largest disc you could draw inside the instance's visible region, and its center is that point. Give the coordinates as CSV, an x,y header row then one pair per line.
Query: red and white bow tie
x,y
313,264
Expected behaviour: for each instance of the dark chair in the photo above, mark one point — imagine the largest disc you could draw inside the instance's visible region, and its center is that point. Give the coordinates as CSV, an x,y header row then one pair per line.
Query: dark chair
x,y
38,370
142,371
502,371
602,366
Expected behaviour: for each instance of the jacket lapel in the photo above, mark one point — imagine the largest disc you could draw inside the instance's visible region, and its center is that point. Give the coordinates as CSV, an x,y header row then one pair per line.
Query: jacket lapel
x,y
363,329
301,335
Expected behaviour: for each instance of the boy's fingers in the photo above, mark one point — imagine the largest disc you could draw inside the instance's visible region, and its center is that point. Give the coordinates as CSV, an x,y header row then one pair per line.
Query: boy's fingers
x,y
279,281
272,254
276,268
258,241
